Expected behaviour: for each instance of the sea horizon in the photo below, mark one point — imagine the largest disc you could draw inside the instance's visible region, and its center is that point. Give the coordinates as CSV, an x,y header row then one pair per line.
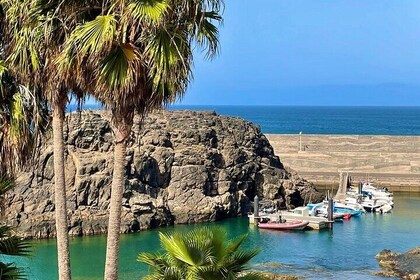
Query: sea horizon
x,y
322,120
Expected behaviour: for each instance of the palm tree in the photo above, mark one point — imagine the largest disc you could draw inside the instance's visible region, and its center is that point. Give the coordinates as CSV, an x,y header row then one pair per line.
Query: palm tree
x,y
10,244
34,32
135,57
22,119
202,254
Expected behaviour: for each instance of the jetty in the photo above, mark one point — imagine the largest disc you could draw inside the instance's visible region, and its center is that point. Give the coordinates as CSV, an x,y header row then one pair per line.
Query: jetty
x,y
297,214
391,161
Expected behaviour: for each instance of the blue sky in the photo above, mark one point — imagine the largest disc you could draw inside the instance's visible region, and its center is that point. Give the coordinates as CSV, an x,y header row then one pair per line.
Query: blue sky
x,y
313,52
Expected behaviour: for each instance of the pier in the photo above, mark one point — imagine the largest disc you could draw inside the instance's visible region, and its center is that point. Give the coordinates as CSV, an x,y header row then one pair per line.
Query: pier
x,y
391,161
297,214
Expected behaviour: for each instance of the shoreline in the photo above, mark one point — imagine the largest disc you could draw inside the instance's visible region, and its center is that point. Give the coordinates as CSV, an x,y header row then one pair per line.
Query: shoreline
x,y
391,161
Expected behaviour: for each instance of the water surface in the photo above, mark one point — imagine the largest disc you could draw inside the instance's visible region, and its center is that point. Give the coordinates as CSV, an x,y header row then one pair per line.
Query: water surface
x,y
325,120
317,119
347,253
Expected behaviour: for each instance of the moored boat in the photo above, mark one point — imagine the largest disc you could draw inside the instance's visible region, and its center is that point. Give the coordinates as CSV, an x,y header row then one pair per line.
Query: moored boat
x,y
354,209
302,214
293,225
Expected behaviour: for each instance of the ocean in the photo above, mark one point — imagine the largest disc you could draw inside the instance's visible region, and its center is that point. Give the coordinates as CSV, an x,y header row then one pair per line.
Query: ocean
x,y
325,120
320,120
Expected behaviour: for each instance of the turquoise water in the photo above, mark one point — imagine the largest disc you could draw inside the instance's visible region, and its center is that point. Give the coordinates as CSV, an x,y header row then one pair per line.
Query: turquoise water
x,y
346,253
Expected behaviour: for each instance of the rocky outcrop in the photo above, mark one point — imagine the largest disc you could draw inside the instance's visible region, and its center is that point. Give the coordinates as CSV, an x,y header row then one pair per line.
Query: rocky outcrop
x,y
182,167
405,266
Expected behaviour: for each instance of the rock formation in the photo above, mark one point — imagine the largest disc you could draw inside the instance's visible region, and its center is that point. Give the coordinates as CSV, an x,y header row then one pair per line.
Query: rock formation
x,y
182,167
405,266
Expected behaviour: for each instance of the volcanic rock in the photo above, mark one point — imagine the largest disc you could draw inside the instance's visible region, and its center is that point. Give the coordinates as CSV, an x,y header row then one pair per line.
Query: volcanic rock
x,y
405,266
182,167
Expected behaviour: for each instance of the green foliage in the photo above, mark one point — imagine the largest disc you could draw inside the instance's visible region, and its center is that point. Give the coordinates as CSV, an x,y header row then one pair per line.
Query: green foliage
x,y
116,67
9,271
137,54
202,254
22,120
152,10
12,245
94,36
9,244
6,184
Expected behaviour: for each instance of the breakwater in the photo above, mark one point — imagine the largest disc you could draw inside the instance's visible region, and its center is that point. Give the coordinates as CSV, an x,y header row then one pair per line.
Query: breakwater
x,y
392,161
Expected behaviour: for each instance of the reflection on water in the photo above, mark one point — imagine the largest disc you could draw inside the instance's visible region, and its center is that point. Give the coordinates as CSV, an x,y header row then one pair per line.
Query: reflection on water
x,y
347,253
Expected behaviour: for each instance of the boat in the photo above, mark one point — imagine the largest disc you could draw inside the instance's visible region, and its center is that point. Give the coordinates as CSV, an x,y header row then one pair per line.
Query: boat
x,y
321,210
354,209
386,208
302,214
379,193
340,209
369,202
294,225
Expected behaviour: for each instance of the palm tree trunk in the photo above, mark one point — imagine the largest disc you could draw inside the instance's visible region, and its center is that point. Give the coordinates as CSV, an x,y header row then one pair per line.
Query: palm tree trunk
x,y
60,192
122,131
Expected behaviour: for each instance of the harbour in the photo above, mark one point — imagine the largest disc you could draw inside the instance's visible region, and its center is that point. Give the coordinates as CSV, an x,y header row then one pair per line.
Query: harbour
x,y
348,252
209,140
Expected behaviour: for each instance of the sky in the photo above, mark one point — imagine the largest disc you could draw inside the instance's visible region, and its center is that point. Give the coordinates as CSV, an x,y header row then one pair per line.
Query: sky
x,y
313,52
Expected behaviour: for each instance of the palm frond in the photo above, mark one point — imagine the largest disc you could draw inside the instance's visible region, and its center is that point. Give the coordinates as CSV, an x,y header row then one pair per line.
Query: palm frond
x,y
9,271
236,243
15,246
202,253
93,36
208,32
239,260
6,184
117,69
152,10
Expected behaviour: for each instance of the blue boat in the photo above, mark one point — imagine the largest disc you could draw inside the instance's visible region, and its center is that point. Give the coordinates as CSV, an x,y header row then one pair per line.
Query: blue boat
x,y
354,210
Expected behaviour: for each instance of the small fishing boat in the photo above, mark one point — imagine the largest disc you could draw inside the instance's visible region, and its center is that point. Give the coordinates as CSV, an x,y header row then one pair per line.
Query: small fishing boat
x,y
376,192
321,210
294,225
340,209
354,209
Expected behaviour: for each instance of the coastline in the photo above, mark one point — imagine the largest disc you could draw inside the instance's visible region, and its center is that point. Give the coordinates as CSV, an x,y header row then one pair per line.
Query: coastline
x,y
391,161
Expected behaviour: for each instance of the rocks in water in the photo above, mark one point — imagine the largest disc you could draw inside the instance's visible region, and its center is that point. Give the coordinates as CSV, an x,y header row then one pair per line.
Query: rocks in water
x,y
267,275
405,266
182,167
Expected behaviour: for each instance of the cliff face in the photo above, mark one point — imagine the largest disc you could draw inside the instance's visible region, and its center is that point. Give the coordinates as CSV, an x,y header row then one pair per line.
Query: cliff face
x,y
182,167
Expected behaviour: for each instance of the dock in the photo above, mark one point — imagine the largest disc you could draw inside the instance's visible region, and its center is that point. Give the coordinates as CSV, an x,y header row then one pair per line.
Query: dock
x,y
315,223
297,214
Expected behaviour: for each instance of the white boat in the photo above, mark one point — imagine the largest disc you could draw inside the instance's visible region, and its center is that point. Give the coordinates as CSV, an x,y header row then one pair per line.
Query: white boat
x,y
384,209
377,193
353,208
371,198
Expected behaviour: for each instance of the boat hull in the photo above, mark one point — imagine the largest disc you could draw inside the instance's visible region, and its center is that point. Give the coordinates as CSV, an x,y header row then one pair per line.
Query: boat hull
x,y
296,225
